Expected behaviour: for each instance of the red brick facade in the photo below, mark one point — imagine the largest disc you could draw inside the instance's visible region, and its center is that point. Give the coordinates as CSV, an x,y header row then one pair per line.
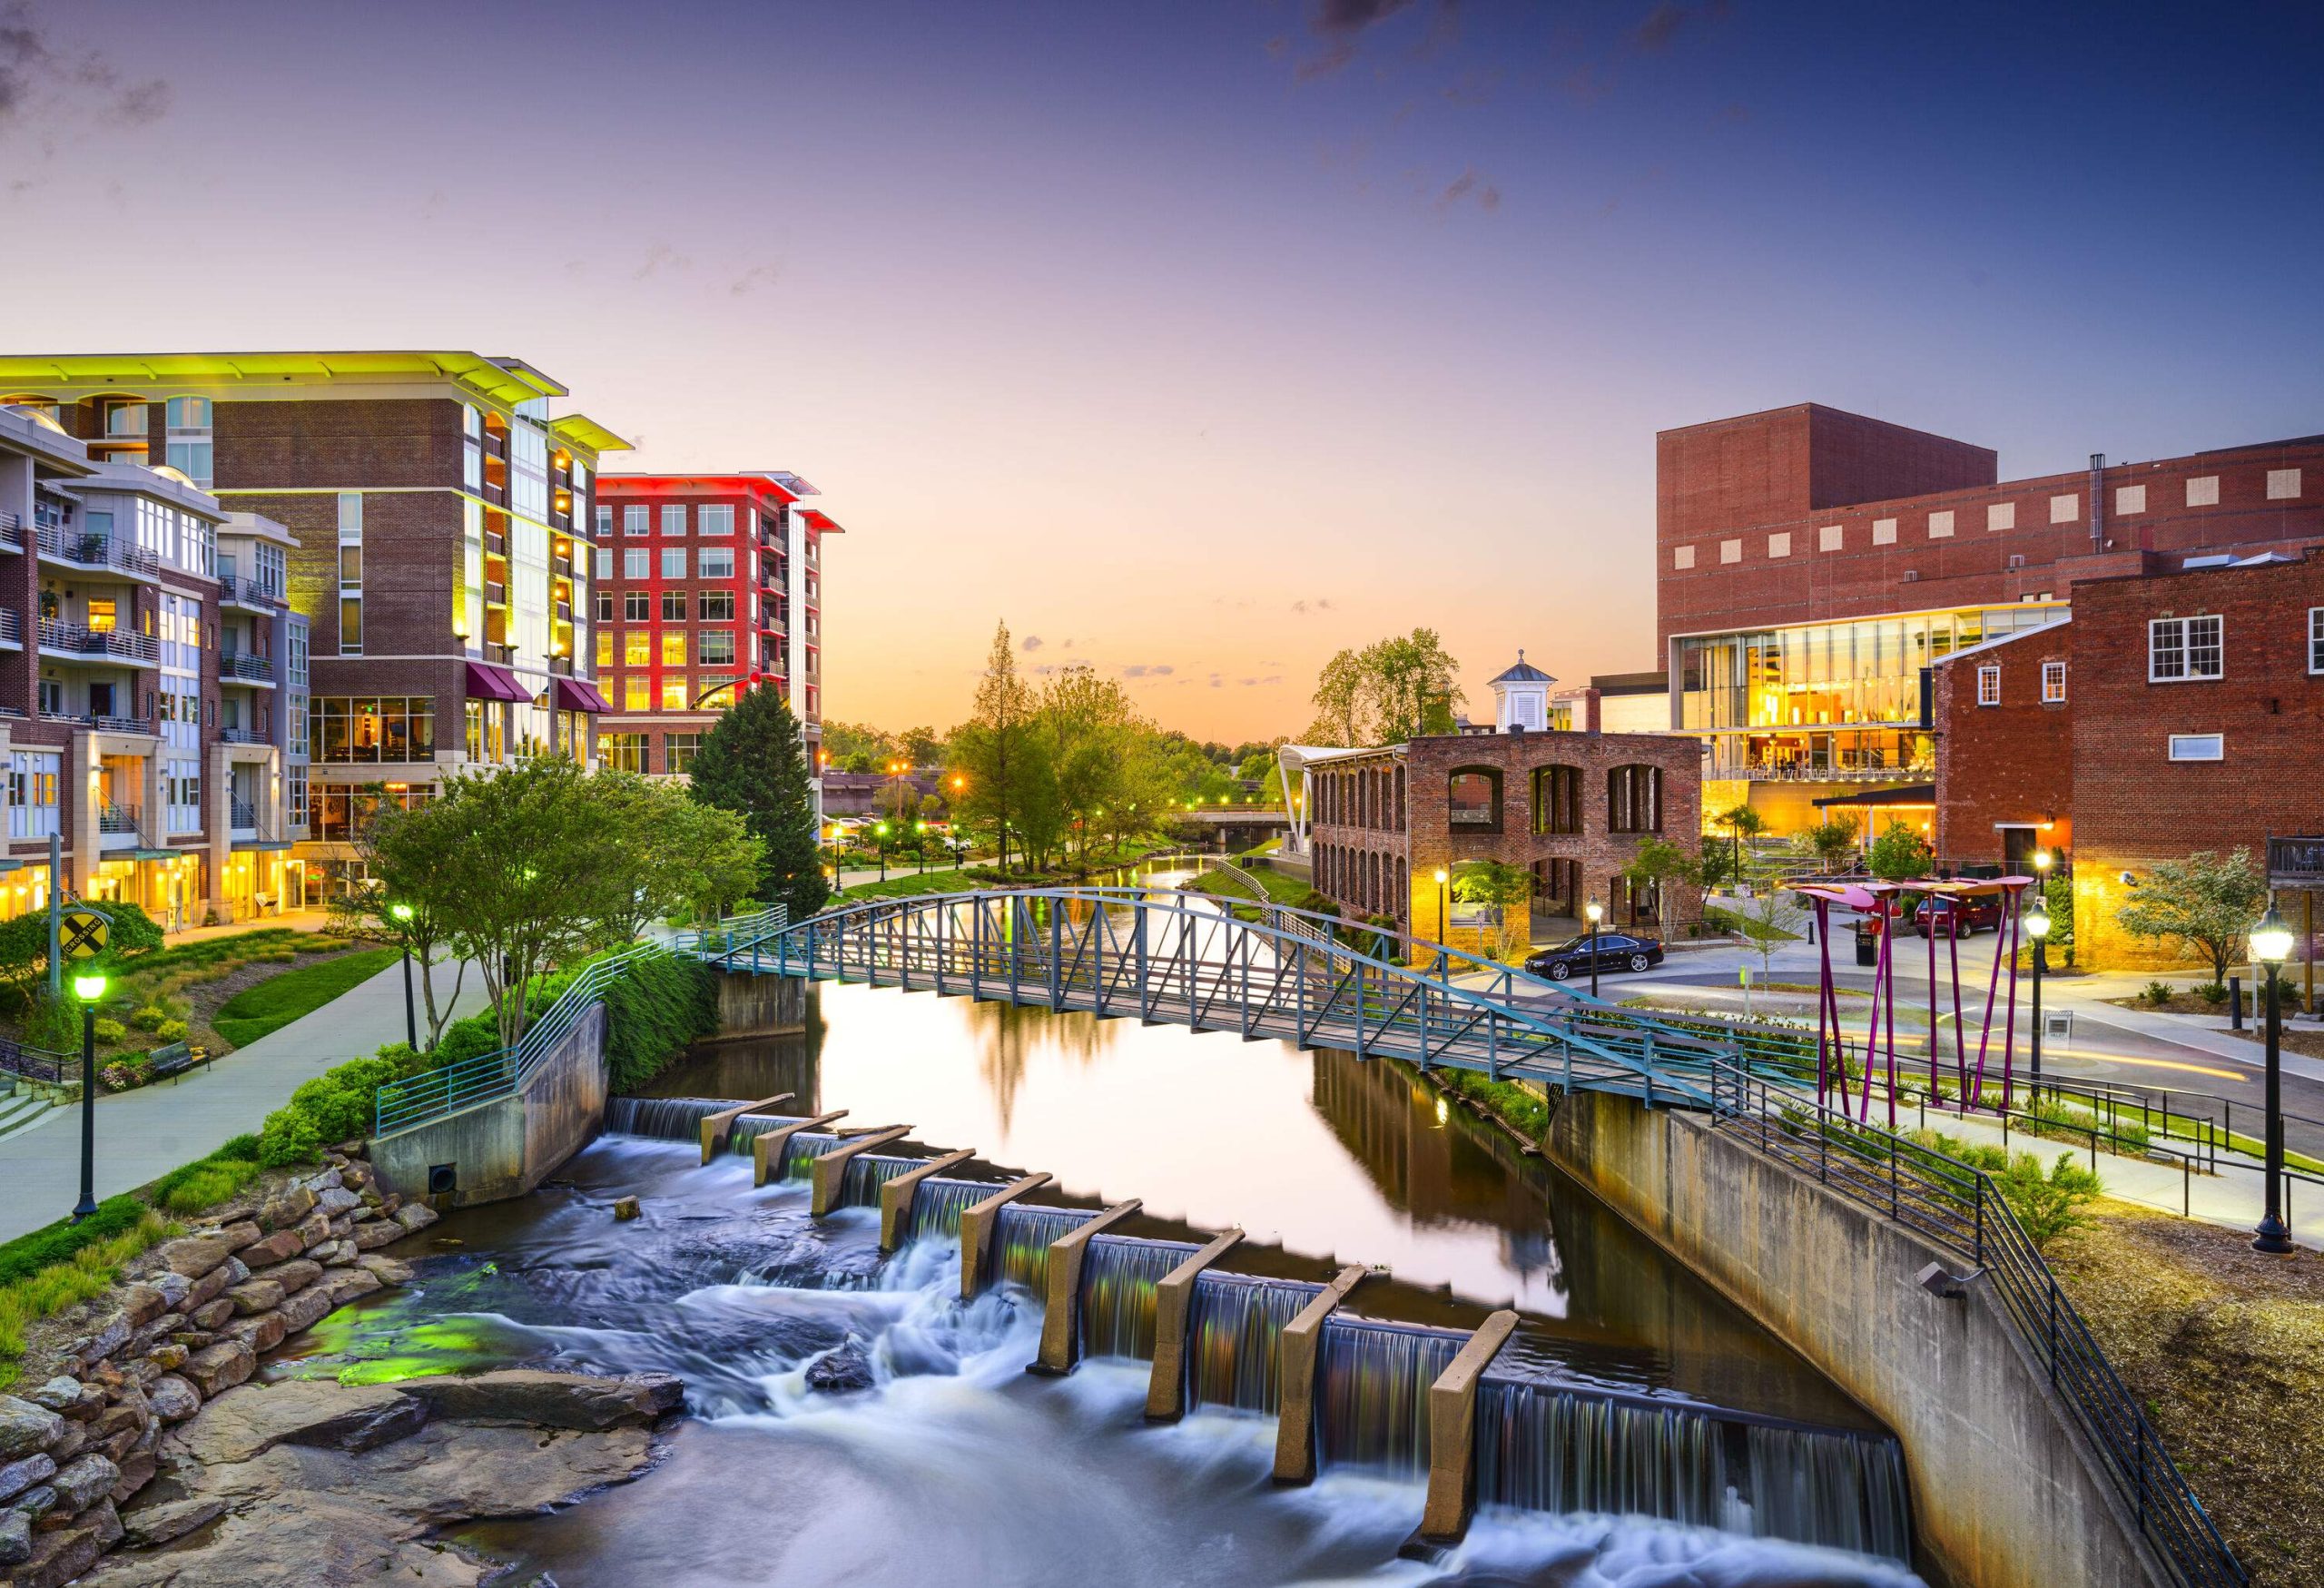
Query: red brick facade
x,y
2005,749
1382,824
1807,514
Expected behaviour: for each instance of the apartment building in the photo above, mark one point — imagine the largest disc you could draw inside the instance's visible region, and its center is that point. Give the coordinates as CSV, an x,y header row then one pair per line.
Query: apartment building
x,y
123,658
439,518
707,584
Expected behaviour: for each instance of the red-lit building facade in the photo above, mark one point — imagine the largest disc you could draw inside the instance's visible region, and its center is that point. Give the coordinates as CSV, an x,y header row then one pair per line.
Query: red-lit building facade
x,y
705,584
1814,568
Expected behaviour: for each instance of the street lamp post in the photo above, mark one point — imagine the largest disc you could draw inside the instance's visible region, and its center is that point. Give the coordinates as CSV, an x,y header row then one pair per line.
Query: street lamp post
x,y
882,832
89,990
402,914
920,831
1596,912
2272,945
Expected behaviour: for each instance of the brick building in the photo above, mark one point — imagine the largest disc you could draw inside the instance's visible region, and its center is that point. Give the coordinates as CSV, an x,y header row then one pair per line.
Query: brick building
x,y
706,584
1571,808
1816,569
142,645
439,517
2000,713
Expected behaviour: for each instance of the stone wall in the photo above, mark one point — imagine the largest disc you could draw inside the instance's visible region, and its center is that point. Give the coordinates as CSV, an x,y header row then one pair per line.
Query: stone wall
x,y
190,1324
2005,1492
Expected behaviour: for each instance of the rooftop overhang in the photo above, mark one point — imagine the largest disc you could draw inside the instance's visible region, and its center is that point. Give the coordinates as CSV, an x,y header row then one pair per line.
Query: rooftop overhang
x,y
823,523
508,381
743,483
579,429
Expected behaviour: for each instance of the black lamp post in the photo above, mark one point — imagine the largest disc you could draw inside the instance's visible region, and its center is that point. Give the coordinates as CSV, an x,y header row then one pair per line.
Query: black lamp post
x,y
90,989
921,832
2272,945
882,831
402,915
1596,912
2037,927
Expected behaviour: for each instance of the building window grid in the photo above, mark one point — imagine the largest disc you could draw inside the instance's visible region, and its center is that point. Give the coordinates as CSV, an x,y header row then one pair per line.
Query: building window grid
x,y
2316,639
1989,686
2184,650
2054,683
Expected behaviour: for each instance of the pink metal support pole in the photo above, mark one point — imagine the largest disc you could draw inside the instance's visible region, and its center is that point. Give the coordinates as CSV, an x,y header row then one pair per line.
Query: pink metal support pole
x,y
2009,1028
1931,1002
1888,939
1960,1035
1824,999
1976,1096
1872,1024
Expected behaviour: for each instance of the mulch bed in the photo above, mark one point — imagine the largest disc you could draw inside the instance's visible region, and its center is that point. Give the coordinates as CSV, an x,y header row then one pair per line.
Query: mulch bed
x,y
2225,1349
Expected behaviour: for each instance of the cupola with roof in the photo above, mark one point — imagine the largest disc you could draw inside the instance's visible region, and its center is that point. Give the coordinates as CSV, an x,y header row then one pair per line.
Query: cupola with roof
x,y
1520,698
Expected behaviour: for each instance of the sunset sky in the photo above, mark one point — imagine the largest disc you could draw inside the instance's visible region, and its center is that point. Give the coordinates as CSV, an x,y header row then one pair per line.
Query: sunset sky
x,y
1199,339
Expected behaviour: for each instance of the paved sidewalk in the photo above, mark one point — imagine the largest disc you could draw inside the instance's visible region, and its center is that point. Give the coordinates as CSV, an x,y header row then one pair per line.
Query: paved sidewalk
x,y
145,1133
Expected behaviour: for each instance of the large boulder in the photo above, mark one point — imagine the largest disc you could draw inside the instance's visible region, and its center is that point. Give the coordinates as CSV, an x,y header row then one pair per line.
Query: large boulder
x,y
840,1370
173,1400
220,1367
287,1209
25,1428
387,1270
249,1420
85,1483
254,1296
262,1332
22,1473
148,1525
60,1393
193,1255
296,1275
415,1216
278,1247
550,1400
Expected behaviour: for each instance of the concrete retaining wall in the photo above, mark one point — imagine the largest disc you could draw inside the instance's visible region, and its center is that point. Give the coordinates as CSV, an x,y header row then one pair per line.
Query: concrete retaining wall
x,y
506,1147
751,1005
2005,1492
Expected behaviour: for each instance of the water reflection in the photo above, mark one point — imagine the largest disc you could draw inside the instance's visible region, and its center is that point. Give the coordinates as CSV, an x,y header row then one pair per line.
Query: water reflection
x,y
1332,1158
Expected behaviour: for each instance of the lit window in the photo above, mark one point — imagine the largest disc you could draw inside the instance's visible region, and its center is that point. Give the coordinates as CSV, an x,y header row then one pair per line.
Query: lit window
x,y
605,649
636,692
2179,649
350,627
2054,683
673,693
674,649
674,562
637,648
2198,747
102,615
1989,687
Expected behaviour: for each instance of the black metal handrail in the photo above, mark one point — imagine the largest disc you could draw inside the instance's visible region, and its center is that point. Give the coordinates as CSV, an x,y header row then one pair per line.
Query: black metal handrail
x,y
1959,1208
34,1063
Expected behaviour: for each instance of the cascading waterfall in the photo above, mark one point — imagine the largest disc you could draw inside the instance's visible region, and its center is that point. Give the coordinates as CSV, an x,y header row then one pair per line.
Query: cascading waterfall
x,y
800,1151
749,1128
866,1173
1023,1237
1373,1405
937,1204
664,1118
1546,1447
1118,1280
1231,1324
1823,1487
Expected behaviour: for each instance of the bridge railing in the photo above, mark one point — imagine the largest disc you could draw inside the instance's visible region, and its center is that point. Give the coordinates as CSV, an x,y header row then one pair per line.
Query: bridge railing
x,y
1959,1207
421,1099
1167,954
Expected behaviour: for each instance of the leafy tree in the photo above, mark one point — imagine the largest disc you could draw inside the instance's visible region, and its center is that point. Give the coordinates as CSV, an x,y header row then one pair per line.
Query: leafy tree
x,y
991,751
1741,821
1662,863
413,867
2203,903
2050,1206
1394,689
1769,920
1832,841
677,853
1899,855
920,746
23,939
844,742
1503,888
751,763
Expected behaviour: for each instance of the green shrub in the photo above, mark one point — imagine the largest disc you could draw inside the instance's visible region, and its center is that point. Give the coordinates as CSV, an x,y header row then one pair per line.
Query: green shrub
x,y
56,1243
289,1137
2053,1205
110,1030
53,1023
150,1017
171,1030
2158,993
2212,992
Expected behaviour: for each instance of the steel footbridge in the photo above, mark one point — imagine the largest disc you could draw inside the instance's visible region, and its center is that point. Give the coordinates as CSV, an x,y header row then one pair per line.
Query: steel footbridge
x,y
1258,970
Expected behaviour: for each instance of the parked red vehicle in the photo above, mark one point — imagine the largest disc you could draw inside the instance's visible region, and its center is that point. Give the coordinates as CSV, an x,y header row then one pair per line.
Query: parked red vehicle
x,y
1963,915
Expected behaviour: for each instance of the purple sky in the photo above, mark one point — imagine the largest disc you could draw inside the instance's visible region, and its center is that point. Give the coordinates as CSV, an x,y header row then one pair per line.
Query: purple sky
x,y
1199,339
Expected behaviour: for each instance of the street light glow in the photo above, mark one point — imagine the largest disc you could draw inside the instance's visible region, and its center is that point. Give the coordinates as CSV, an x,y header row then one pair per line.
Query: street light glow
x,y
88,988
1595,910
2271,939
2037,920
401,912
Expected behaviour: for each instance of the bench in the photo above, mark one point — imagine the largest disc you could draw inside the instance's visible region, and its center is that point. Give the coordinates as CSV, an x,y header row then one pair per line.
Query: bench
x,y
174,1060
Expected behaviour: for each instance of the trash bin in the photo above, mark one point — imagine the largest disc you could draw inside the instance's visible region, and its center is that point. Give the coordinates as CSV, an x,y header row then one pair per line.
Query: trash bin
x,y
1867,942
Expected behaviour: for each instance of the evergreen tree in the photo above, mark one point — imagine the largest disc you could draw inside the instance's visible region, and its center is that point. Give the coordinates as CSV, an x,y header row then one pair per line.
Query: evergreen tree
x,y
993,754
751,762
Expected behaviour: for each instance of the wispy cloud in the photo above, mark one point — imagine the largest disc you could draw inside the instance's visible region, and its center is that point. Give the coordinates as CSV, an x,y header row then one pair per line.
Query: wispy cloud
x,y
1149,670
751,280
1467,185
36,79
1317,604
1033,642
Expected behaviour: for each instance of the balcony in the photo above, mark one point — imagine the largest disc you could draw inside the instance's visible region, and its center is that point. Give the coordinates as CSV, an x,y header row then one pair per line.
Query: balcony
x,y
72,642
102,721
243,818
235,667
237,591
117,826
243,736
1800,771
495,594
12,630
82,550
495,543
12,532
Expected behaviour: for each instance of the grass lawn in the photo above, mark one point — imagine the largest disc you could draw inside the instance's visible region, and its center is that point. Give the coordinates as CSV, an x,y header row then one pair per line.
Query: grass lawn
x,y
1280,889
277,1001
907,885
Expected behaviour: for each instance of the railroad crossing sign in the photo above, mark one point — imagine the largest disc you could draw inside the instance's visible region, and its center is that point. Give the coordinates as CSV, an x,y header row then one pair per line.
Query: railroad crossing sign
x,y
83,933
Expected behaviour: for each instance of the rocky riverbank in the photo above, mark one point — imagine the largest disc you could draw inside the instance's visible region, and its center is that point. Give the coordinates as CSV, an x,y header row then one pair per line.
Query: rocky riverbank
x,y
188,1325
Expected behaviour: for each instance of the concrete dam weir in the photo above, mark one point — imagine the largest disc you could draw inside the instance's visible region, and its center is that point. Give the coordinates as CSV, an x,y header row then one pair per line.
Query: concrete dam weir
x,y
1631,1426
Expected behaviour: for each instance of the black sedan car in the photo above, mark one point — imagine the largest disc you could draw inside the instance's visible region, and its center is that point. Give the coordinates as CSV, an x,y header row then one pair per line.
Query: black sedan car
x,y
1617,951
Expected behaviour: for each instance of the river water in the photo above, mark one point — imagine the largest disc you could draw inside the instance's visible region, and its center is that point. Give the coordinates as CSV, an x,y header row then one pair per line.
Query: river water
x,y
958,1466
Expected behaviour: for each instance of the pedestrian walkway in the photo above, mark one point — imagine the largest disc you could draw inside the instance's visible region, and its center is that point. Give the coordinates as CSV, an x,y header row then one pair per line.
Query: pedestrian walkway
x,y
145,1133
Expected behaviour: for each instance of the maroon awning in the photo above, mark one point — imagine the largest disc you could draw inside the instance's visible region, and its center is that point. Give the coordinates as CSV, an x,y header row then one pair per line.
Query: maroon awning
x,y
580,695
492,684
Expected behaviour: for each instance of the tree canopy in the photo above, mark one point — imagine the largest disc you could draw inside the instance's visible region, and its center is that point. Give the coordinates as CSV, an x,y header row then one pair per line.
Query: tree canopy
x,y
752,762
2203,903
1397,688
